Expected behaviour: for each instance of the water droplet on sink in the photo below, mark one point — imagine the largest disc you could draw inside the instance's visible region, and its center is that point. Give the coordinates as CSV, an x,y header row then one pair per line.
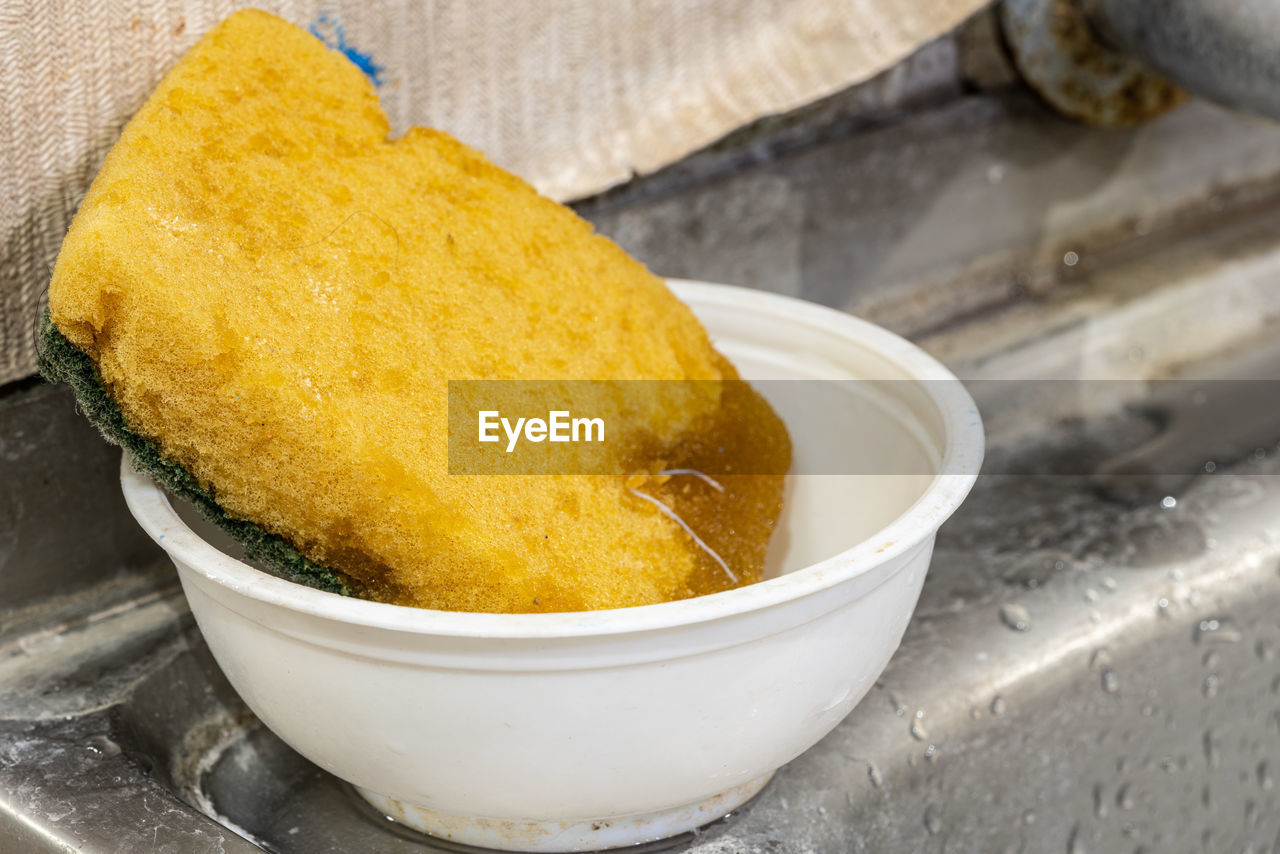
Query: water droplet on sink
x,y
1210,687
1211,753
1109,584
931,753
874,775
1162,607
1211,659
1147,710
932,821
1265,780
1099,802
1090,595
1099,659
999,706
102,745
1123,799
1265,650
1075,842
1029,817
918,732
1110,681
1015,617
1216,630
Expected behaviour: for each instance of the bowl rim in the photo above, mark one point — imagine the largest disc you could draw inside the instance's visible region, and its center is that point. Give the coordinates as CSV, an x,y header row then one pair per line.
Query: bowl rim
x,y
963,449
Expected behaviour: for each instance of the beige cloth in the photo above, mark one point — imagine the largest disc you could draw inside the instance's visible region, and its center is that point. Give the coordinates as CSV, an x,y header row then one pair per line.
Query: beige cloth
x,y
575,95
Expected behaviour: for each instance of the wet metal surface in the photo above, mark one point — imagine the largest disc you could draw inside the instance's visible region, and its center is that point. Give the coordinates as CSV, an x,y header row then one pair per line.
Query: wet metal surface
x,y
957,210
54,539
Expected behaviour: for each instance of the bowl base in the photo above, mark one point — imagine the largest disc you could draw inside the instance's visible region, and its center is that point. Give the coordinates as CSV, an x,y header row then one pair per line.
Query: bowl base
x,y
565,836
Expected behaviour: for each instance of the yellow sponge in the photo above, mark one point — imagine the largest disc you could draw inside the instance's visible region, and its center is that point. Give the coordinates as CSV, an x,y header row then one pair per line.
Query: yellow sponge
x,y
277,295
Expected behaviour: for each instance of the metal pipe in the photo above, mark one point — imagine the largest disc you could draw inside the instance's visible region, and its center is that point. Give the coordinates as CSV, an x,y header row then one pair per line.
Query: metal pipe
x,y
1225,50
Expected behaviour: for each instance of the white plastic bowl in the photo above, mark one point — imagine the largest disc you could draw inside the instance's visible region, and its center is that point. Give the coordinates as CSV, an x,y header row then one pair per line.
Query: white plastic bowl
x,y
569,732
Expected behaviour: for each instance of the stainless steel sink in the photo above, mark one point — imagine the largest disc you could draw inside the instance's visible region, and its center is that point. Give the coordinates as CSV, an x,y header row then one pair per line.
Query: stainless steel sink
x,y
1094,664
1086,671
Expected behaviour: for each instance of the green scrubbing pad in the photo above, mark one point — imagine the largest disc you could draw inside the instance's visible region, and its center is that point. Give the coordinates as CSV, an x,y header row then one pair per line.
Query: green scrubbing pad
x,y
62,361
